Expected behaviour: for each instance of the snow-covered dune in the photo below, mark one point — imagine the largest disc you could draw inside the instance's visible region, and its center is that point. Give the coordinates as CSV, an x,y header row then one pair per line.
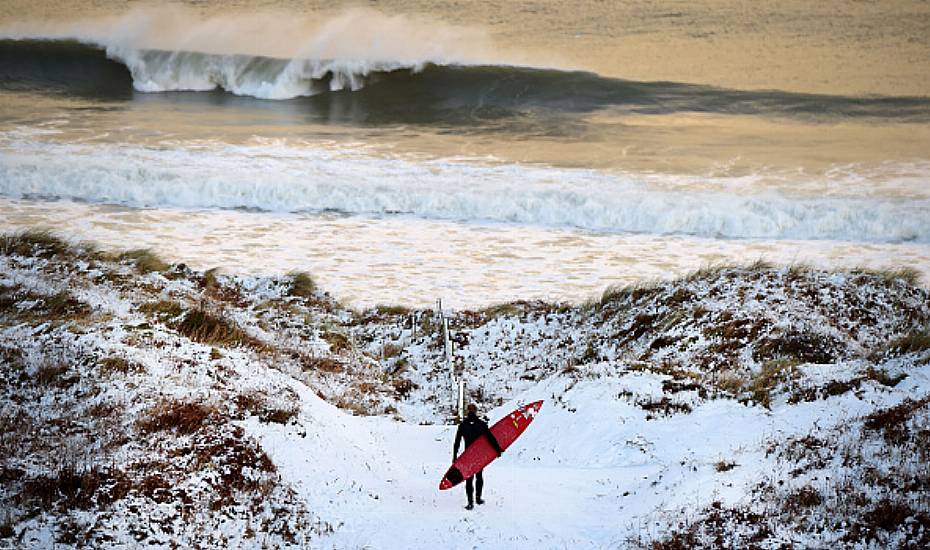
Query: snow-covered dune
x,y
149,405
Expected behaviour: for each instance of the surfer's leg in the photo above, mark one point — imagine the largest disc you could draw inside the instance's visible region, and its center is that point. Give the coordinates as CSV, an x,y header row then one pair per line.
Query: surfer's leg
x,y
470,491
480,485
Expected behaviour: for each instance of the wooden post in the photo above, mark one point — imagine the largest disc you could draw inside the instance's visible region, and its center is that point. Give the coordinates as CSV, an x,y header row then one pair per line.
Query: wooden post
x,y
447,341
461,399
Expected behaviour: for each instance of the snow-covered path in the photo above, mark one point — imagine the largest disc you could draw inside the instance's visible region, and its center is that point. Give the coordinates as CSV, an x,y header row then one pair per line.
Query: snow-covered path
x,y
592,471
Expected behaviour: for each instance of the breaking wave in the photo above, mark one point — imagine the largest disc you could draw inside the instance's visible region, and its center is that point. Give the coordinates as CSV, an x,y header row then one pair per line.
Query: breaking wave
x,y
398,90
273,177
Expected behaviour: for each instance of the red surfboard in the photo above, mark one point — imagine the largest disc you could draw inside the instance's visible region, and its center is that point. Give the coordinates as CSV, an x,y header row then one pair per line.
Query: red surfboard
x,y
480,453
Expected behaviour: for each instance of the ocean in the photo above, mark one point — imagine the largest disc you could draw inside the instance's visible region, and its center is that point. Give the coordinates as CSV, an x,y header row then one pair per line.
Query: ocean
x,y
414,151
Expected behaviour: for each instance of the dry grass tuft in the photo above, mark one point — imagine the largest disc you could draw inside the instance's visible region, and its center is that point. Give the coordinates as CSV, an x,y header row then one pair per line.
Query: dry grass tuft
x,y
913,342
302,285
145,260
769,377
256,403
118,365
892,422
403,387
179,417
33,243
322,364
62,304
510,309
662,407
803,347
163,309
392,310
54,374
70,488
203,327
908,275
210,278
338,341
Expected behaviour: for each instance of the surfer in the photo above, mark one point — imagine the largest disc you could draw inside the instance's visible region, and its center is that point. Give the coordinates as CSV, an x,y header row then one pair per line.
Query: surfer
x,y
470,430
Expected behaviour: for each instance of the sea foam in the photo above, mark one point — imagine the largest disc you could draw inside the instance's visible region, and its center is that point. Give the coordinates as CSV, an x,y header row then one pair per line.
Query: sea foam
x,y
286,178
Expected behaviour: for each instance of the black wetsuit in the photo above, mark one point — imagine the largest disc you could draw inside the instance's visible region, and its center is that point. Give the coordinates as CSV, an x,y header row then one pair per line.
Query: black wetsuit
x,y
470,430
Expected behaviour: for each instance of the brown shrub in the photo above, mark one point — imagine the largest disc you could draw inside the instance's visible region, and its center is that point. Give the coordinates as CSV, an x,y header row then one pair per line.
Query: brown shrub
x,y
236,459
183,418
155,487
120,365
805,497
663,407
145,260
338,341
33,243
805,347
200,326
883,378
279,415
892,422
888,515
164,309
54,374
62,305
71,488
302,285
389,351
769,377
403,387
322,364
256,403
913,342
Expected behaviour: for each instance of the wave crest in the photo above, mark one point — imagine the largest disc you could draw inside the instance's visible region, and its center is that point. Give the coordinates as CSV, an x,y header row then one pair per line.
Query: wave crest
x,y
295,179
259,77
268,56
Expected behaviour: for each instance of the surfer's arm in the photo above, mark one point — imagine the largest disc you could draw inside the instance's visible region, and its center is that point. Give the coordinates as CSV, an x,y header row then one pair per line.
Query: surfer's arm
x,y
493,440
458,441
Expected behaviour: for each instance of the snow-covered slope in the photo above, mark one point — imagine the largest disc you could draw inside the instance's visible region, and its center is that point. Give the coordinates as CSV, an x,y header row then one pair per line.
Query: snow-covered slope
x,y
145,404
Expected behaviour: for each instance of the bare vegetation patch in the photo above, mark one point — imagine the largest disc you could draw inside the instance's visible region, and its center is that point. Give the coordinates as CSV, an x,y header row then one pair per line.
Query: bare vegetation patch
x,y
180,417
893,422
403,387
20,303
206,328
70,487
322,364
907,275
119,365
803,347
337,339
56,374
33,243
145,260
163,309
770,376
258,404
662,407
913,342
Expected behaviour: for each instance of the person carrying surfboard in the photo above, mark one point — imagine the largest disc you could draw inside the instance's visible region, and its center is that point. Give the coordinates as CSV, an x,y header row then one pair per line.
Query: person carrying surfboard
x,y
470,429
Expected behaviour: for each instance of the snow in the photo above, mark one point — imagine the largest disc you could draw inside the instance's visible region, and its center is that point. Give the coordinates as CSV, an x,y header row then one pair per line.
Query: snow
x,y
596,469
